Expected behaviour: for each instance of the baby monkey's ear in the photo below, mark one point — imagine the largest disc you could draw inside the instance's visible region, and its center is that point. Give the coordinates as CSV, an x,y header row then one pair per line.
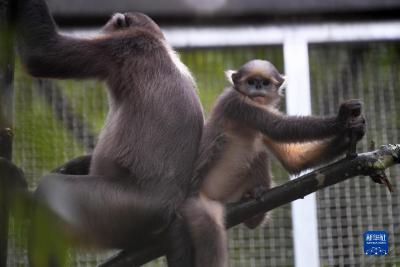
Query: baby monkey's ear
x,y
231,76
282,85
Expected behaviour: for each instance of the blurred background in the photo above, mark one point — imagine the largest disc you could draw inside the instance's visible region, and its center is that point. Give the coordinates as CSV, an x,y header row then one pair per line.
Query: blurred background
x,y
333,50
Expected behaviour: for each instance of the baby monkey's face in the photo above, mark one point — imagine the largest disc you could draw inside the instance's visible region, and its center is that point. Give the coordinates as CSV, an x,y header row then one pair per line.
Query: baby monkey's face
x,y
259,80
256,85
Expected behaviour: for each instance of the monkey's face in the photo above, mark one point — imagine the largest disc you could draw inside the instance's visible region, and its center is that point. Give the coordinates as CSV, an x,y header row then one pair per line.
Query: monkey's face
x,y
259,80
131,21
255,86
259,88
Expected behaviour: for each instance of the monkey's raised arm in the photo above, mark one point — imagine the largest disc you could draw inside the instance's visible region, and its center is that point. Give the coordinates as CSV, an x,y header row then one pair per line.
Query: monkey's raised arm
x,y
46,53
279,127
296,157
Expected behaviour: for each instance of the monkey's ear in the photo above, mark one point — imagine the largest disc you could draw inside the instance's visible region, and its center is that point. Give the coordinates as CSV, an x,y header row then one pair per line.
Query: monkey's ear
x,y
231,76
282,86
119,20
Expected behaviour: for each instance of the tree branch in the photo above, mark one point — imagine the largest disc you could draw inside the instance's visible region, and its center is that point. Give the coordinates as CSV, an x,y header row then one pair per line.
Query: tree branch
x,y
6,109
369,164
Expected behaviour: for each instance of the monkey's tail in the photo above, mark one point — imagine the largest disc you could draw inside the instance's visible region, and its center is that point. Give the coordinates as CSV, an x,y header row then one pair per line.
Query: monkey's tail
x,y
205,219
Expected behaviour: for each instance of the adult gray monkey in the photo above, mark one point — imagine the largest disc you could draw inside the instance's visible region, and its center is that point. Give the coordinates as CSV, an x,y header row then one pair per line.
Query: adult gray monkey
x,y
141,167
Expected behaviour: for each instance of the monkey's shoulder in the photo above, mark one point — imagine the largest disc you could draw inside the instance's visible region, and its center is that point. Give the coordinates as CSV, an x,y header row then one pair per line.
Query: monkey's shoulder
x,y
135,46
220,132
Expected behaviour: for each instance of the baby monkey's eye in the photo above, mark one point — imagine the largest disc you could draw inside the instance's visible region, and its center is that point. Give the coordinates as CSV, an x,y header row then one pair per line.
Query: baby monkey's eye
x,y
251,81
266,82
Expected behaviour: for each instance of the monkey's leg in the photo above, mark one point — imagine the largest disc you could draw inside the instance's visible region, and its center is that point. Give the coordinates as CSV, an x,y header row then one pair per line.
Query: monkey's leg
x,y
256,193
205,218
179,248
108,212
261,178
255,221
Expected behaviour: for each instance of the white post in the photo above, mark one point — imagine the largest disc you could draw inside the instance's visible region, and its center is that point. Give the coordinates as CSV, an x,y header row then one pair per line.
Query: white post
x,y
298,102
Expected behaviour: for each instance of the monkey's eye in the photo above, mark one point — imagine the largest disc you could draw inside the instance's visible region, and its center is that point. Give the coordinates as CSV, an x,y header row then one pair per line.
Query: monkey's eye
x,y
251,81
266,82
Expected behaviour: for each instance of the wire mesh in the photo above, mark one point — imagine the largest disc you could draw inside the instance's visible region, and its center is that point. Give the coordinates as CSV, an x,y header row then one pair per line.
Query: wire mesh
x,y
370,72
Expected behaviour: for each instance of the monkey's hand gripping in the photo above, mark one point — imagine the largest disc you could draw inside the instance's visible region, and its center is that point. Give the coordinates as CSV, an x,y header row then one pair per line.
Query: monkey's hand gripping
x,y
356,130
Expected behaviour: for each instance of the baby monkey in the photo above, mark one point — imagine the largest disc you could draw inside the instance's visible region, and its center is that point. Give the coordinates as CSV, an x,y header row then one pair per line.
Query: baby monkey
x,y
244,128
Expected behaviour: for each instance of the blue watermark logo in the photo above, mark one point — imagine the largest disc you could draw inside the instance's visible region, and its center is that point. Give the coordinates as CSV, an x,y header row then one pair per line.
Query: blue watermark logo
x,y
376,243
